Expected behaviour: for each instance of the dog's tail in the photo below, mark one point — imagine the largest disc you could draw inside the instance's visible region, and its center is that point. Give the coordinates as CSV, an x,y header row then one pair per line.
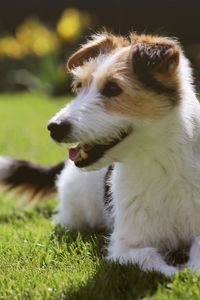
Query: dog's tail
x,y
24,176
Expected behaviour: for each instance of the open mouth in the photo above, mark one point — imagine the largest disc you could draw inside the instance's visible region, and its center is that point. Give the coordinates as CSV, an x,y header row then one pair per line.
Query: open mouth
x,y
84,155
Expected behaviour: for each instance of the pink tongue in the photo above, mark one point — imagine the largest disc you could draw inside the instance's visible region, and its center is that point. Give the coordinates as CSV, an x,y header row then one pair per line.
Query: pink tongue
x,y
74,153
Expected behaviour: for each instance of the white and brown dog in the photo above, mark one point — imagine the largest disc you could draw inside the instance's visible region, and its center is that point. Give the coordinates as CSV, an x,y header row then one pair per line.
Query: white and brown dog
x,y
136,120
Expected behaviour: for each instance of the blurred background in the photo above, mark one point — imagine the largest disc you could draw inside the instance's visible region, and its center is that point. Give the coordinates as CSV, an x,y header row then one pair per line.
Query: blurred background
x,y
37,36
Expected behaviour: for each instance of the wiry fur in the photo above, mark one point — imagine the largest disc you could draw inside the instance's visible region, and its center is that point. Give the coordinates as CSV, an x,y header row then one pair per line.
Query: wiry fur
x,y
155,181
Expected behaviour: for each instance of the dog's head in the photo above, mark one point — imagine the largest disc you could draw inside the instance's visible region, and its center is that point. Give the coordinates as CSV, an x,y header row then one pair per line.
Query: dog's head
x,y
120,82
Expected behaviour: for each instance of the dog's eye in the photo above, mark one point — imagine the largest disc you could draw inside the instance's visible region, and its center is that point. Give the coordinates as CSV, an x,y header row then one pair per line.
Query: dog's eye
x,y
111,89
79,86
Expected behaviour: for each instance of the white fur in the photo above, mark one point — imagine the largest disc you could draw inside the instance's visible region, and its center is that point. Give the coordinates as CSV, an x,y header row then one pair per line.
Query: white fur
x,y
6,167
155,183
81,198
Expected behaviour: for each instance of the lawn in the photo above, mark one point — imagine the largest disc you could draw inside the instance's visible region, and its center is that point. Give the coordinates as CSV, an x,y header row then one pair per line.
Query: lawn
x,y
39,260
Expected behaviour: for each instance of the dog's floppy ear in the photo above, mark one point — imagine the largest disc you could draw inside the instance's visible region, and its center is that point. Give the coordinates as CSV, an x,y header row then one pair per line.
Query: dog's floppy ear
x,y
100,43
159,56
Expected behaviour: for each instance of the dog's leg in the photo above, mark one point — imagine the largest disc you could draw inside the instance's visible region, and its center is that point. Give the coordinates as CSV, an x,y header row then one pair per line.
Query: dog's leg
x,y
81,198
194,256
147,258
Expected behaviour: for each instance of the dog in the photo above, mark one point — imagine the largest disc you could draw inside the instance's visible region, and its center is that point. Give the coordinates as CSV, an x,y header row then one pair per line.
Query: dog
x,y
135,168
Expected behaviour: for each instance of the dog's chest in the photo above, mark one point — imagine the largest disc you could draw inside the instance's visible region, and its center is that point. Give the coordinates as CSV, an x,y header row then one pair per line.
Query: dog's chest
x,y
163,211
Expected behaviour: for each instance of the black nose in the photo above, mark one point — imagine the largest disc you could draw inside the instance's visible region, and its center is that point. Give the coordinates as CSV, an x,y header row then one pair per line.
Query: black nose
x,y
59,131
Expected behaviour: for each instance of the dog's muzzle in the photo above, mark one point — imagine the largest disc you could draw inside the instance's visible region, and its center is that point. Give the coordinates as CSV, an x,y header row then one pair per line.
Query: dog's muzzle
x,y
83,155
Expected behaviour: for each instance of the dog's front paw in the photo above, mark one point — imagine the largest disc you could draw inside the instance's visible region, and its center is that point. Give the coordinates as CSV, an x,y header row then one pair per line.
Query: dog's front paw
x,y
168,271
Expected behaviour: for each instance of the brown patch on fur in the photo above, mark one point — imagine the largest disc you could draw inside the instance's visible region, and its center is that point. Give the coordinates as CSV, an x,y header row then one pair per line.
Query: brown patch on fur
x,y
28,192
102,43
151,88
155,60
31,179
141,104
137,100
151,39
146,72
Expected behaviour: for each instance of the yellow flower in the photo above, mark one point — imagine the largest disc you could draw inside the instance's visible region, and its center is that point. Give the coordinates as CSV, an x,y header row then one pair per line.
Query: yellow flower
x,y
10,47
72,23
36,38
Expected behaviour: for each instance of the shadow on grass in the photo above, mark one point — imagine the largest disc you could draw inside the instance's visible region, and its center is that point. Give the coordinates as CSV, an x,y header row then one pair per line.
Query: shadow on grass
x,y
64,236
116,282
111,280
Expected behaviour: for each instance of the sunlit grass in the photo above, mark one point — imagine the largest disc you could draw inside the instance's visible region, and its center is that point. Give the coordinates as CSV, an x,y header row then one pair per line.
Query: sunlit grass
x,y
24,119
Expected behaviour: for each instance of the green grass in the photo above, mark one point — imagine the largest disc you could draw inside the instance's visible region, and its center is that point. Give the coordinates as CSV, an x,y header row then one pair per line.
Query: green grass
x,y
39,260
